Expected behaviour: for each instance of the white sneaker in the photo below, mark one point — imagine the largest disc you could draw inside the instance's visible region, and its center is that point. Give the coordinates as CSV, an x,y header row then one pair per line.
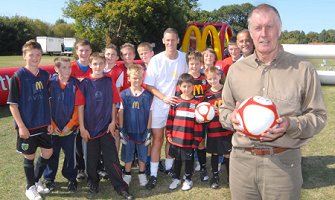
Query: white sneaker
x,y
127,179
142,179
41,188
187,185
197,166
32,193
175,183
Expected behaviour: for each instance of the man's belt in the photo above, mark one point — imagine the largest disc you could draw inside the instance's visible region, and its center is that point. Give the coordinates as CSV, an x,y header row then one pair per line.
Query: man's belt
x,y
262,151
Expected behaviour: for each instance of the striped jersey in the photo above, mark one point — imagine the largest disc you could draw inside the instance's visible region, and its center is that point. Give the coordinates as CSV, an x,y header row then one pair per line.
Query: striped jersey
x,y
181,126
214,127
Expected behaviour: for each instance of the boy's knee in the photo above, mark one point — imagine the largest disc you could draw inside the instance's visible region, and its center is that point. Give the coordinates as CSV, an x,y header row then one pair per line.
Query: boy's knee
x,y
46,153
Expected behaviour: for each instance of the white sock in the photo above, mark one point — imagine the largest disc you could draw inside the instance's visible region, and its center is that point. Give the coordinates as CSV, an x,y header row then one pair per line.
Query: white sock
x,y
153,168
168,163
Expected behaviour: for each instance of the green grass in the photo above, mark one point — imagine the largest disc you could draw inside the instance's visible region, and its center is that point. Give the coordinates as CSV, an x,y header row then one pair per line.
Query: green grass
x,y
318,169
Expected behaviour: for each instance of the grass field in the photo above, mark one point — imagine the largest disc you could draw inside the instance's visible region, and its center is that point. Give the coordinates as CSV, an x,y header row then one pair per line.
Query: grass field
x,y
17,61
318,169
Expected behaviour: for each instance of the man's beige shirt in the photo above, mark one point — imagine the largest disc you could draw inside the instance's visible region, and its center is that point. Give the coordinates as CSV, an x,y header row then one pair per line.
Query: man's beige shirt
x,y
291,83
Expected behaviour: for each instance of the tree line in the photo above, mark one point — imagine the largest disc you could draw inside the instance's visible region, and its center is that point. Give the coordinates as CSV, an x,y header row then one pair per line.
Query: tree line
x,y
134,21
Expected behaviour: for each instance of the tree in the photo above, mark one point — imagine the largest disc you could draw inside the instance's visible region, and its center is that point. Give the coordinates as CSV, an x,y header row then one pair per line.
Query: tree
x,y
235,15
120,21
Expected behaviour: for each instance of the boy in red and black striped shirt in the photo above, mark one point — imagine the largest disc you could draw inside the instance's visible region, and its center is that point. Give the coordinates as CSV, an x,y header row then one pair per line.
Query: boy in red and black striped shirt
x,y
183,132
218,139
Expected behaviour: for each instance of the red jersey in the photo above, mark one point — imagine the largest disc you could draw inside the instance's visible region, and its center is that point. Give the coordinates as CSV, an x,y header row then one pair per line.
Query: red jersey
x,y
226,64
78,73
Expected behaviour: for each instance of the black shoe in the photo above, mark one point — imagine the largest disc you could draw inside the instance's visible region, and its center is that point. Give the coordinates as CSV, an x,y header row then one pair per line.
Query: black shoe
x,y
151,183
215,182
72,186
169,172
93,189
125,194
50,185
161,167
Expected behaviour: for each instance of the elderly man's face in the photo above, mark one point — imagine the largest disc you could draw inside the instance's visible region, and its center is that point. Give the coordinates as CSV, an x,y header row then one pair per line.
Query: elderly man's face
x,y
265,29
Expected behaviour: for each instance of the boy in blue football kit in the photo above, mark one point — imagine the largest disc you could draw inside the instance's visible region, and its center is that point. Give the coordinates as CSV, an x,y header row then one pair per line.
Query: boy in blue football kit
x,y
64,113
97,119
135,123
28,101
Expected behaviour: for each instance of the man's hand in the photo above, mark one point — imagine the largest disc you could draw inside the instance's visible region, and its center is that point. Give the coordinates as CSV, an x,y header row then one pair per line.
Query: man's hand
x,y
170,100
235,122
276,132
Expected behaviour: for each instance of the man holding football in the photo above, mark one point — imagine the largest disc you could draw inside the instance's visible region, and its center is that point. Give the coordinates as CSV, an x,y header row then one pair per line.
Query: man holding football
x,y
270,167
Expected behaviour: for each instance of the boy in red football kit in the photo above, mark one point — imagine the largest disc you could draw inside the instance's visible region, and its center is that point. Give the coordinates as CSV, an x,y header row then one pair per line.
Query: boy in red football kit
x,y
28,101
64,113
183,132
145,51
128,55
97,119
112,69
80,67
218,139
81,70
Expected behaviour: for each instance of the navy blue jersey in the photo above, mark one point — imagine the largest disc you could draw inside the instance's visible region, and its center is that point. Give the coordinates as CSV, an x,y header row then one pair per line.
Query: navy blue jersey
x,y
31,94
136,110
98,95
62,100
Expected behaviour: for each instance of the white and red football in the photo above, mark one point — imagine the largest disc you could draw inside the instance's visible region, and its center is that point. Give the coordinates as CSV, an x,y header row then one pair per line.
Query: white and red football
x,y
256,114
204,112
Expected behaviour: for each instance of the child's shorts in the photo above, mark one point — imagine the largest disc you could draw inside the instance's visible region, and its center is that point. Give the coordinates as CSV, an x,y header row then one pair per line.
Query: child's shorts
x,y
128,152
29,146
180,153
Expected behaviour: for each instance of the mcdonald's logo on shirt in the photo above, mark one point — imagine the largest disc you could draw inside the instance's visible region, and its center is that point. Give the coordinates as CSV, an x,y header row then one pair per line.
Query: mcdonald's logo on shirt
x,y
136,105
198,90
218,103
39,85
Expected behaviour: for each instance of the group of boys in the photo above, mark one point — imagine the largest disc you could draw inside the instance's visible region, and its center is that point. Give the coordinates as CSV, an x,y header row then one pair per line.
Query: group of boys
x,y
95,103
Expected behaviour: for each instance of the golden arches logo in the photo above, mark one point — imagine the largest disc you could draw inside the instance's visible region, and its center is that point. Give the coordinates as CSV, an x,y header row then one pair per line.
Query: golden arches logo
x,y
136,105
198,90
217,38
218,103
39,85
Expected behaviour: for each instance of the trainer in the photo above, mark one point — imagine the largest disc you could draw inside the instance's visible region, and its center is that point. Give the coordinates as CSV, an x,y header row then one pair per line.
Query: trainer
x,y
270,168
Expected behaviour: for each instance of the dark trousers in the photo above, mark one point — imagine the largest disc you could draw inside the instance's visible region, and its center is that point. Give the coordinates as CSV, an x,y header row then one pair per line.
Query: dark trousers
x,y
106,145
69,171
80,162
188,169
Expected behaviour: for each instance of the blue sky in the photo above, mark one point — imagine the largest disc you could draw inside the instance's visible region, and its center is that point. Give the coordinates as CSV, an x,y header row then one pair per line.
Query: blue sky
x,y
306,15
